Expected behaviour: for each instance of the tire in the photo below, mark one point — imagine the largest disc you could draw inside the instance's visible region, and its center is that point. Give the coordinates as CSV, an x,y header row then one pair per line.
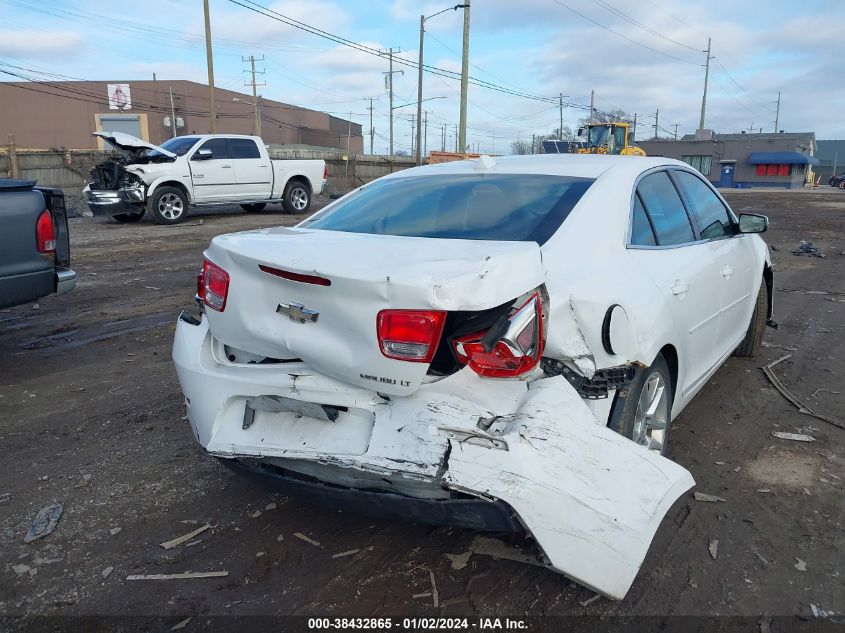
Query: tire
x,y
754,336
651,386
126,218
253,208
841,184
297,197
168,205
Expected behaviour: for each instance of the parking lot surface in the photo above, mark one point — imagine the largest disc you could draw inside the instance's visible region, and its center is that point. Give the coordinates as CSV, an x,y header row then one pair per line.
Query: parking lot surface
x,y
92,418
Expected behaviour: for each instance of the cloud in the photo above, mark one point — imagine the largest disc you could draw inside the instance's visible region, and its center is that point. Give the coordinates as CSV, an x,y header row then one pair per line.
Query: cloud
x,y
40,44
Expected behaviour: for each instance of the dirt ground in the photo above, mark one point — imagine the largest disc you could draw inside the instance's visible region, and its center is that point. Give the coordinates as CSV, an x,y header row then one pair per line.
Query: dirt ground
x,y
91,417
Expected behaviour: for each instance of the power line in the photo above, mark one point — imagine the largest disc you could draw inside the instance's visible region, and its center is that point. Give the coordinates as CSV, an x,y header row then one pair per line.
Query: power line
x,y
624,37
639,24
279,17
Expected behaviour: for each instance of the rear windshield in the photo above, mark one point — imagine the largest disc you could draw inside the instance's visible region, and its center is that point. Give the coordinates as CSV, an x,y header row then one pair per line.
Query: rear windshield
x,y
502,207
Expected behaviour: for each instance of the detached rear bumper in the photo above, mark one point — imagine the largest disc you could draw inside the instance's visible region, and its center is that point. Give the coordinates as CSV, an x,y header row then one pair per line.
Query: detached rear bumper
x,y
481,453
469,513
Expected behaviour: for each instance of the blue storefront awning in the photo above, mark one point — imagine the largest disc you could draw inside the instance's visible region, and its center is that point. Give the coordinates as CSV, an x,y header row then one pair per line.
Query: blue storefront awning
x,y
781,158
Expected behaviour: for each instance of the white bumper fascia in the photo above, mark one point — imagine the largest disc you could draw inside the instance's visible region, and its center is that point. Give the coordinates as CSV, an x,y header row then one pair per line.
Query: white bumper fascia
x,y
592,499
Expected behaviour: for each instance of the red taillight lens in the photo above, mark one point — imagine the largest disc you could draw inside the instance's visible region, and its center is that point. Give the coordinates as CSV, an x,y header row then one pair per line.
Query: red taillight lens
x,y
215,286
325,172
515,352
410,335
45,233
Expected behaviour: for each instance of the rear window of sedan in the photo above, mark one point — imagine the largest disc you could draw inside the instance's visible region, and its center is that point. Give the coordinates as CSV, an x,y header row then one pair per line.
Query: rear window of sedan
x,y
501,207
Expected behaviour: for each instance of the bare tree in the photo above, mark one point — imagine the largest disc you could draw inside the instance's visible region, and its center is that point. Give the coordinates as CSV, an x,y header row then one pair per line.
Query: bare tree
x,y
521,147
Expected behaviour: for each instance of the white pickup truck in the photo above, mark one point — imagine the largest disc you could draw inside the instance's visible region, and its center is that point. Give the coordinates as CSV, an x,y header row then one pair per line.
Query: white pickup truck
x,y
194,171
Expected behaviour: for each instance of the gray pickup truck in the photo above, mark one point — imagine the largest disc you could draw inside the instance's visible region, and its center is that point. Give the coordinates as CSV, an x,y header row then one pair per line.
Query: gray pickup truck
x,y
34,243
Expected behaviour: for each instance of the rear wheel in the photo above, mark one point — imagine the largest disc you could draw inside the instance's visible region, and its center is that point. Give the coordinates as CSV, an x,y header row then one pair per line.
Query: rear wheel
x,y
297,197
754,336
253,208
168,205
642,411
128,217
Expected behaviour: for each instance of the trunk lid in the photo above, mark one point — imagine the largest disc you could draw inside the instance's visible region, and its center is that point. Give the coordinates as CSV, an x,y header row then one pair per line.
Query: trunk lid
x,y
368,273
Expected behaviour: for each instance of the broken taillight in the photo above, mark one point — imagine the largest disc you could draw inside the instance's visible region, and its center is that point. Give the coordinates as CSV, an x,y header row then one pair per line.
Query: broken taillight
x,y
509,348
213,286
45,233
410,335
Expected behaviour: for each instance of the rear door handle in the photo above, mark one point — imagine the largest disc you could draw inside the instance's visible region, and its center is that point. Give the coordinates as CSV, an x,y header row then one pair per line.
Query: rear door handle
x,y
225,166
680,287
727,271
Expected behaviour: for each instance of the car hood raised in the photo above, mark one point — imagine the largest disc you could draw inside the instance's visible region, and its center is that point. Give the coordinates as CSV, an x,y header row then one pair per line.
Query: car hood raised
x,y
129,143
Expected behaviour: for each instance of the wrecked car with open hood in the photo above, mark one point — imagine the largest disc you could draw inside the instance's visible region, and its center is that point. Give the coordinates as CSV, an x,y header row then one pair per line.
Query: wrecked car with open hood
x,y
200,170
499,344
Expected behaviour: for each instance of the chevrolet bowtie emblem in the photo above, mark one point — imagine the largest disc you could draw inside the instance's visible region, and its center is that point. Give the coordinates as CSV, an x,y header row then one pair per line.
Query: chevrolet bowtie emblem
x,y
298,312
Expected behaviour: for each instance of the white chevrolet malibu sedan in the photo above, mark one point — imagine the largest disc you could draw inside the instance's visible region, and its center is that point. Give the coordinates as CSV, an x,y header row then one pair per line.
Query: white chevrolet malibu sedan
x,y
499,344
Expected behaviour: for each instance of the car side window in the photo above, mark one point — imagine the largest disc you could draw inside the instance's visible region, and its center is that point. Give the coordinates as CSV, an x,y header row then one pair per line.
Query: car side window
x,y
219,148
641,232
243,148
663,205
713,217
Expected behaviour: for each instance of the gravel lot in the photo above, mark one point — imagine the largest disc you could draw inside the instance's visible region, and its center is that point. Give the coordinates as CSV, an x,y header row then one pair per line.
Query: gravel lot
x,y
92,418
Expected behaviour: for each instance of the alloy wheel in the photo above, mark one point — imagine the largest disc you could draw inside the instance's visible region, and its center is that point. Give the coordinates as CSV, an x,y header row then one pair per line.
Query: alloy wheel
x,y
652,414
170,206
298,198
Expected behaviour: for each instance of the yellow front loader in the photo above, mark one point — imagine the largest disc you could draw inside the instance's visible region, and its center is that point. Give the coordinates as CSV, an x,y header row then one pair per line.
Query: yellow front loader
x,y
609,138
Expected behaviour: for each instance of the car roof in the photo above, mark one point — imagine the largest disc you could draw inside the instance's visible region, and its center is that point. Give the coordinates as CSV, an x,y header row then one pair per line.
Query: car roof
x,y
573,165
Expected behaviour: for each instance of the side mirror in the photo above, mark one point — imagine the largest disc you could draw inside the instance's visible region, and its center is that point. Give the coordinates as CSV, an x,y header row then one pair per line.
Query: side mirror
x,y
580,131
753,223
203,154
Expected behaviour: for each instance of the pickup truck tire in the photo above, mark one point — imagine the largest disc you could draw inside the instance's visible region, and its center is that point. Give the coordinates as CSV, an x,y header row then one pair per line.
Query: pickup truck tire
x,y
168,205
253,208
297,197
128,217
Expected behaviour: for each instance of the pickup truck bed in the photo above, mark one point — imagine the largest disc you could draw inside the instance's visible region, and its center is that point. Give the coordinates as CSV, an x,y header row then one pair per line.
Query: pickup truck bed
x,y
30,268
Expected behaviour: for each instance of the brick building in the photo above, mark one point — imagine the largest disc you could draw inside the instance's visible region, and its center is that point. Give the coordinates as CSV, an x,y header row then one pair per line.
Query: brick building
x,y
65,114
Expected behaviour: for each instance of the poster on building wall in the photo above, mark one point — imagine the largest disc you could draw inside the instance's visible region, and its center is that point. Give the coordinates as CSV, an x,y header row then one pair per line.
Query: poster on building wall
x,y
119,97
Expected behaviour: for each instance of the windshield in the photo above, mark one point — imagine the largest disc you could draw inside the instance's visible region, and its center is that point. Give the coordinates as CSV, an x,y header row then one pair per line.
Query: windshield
x,y
179,146
503,207
598,136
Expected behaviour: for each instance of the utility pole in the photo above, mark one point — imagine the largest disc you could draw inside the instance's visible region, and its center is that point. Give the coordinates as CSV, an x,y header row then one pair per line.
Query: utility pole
x,y
592,104
656,119
251,59
704,95
413,129
462,138
634,129
457,140
533,142
419,89
388,82
777,114
560,107
443,139
212,101
372,129
425,136
172,114
676,131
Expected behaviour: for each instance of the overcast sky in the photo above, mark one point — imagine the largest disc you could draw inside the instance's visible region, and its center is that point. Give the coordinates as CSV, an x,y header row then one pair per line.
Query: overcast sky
x,y
638,56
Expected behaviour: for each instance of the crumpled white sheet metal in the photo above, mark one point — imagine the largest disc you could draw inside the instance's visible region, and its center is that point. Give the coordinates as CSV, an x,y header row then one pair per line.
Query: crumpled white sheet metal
x,y
592,499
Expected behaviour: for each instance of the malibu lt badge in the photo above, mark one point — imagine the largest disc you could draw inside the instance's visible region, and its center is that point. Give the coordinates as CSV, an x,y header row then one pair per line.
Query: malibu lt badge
x,y
298,312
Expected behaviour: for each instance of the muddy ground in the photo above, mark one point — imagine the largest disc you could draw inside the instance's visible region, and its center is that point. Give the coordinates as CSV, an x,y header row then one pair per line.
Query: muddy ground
x,y
91,416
